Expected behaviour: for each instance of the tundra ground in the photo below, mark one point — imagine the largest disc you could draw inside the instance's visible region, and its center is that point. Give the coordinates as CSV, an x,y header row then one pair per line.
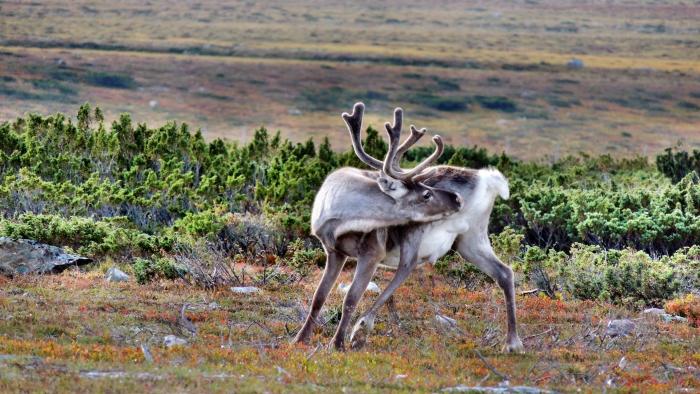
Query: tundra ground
x,y
76,332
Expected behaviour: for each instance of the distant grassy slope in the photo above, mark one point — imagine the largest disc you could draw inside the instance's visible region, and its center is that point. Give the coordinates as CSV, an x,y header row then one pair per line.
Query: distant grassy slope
x,y
297,65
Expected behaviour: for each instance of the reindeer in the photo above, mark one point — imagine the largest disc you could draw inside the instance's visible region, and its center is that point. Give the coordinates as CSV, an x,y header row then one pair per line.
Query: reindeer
x,y
351,215
409,245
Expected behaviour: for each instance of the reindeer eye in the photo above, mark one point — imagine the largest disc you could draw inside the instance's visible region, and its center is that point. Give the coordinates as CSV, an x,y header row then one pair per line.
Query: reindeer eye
x,y
427,195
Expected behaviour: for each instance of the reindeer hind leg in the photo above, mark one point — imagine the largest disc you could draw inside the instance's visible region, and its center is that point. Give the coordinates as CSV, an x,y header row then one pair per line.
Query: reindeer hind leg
x,y
334,264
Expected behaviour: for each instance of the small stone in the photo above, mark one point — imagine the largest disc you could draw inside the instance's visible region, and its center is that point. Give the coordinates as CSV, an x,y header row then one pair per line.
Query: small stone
x,y
373,288
446,321
245,289
497,389
114,274
172,340
620,327
575,64
623,363
343,288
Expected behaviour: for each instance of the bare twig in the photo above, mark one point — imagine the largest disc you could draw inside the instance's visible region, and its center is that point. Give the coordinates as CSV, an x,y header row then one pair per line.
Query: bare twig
x,y
537,335
313,352
489,366
185,323
485,378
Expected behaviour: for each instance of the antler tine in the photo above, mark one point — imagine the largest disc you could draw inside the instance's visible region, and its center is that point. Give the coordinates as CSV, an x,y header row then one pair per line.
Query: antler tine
x,y
354,123
413,172
394,132
439,148
407,144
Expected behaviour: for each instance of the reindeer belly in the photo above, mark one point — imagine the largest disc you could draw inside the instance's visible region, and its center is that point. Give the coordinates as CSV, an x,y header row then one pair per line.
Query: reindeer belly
x,y
437,240
435,244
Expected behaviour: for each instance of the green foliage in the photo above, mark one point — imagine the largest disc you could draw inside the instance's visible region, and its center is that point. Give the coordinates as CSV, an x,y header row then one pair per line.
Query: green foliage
x,y
440,103
200,224
130,191
303,259
601,201
621,276
110,80
145,270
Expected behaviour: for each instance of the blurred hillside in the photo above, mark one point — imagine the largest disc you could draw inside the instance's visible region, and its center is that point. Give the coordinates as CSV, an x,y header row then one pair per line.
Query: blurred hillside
x,y
532,78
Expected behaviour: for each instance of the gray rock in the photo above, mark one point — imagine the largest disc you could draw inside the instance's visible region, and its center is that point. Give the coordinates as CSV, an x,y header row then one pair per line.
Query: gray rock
x,y
119,375
497,389
660,313
172,340
245,289
670,318
24,256
620,327
114,274
654,312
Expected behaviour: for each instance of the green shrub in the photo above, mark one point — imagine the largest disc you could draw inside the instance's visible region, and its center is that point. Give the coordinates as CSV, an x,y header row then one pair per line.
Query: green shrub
x,y
621,276
126,190
201,224
84,235
145,270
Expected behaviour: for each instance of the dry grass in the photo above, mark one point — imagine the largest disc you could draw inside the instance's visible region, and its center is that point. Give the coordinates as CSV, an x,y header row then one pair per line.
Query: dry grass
x,y
74,332
295,66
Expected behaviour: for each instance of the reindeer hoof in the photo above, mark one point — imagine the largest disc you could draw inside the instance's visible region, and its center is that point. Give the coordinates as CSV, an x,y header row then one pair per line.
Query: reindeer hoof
x,y
302,336
358,339
514,346
361,331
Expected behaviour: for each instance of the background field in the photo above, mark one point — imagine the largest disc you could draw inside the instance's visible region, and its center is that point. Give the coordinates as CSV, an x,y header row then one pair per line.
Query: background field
x,y
488,73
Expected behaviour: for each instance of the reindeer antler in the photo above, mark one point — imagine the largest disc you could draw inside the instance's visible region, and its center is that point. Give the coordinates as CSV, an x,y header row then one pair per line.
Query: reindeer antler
x,y
390,166
354,123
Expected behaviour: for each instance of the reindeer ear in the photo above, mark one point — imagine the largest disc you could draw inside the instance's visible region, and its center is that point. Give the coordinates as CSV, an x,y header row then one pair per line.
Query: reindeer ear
x,y
392,187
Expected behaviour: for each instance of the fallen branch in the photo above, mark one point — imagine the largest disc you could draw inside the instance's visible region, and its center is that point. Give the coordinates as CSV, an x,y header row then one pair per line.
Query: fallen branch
x,y
537,335
313,352
528,292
